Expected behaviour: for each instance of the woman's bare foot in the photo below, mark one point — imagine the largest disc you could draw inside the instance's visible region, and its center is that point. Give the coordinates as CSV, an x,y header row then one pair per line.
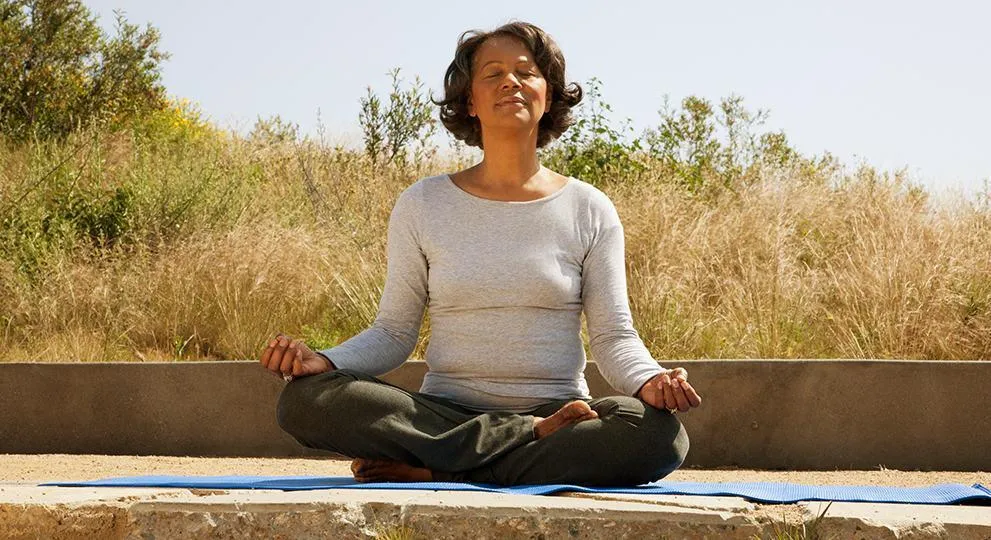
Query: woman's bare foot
x,y
384,470
571,413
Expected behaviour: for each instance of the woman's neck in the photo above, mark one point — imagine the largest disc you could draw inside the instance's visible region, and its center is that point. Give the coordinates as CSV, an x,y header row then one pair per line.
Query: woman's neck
x,y
510,163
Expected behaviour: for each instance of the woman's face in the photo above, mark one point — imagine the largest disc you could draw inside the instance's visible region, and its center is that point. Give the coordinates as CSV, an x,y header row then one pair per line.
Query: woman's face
x,y
504,68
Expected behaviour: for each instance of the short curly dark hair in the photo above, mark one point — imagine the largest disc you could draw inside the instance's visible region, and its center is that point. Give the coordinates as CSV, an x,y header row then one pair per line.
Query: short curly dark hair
x,y
550,60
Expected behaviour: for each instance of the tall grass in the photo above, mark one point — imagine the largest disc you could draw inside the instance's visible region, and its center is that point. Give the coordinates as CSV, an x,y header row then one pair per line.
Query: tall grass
x,y
121,247
858,266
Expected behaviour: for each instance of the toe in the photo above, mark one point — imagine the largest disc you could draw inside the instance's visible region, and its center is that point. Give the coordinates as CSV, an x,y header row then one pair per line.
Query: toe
x,y
577,409
368,475
363,464
590,416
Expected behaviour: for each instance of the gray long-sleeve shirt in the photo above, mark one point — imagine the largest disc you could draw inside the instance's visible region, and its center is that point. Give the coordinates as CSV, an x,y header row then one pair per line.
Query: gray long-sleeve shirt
x,y
505,282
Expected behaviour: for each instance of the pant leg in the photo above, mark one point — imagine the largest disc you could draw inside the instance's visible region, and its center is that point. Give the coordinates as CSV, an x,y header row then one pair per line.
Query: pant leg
x,y
631,443
361,416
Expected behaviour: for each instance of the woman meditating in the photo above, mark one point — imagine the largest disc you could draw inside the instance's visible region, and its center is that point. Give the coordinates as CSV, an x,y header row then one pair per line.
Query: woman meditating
x,y
506,255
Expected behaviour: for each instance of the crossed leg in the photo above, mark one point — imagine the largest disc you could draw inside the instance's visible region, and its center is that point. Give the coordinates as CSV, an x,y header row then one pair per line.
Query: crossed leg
x,y
408,436
384,470
630,443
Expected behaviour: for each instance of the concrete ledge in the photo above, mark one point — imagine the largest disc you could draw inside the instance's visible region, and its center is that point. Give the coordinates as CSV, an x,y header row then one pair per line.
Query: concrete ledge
x,y
33,512
30,512
766,414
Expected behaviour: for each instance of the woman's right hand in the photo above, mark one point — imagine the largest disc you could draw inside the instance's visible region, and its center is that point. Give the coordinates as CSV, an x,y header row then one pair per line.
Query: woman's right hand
x,y
287,356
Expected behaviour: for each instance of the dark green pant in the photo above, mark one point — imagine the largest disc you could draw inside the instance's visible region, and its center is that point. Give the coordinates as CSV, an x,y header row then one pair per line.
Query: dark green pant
x,y
361,416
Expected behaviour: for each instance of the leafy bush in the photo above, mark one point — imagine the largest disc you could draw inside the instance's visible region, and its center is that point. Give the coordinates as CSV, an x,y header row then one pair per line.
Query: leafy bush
x,y
697,146
704,147
178,121
592,149
407,123
60,72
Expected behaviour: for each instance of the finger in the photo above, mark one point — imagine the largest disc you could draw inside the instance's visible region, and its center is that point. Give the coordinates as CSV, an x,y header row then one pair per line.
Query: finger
x,y
275,363
297,363
679,373
679,395
272,343
288,357
668,401
657,389
663,381
267,353
301,345
693,397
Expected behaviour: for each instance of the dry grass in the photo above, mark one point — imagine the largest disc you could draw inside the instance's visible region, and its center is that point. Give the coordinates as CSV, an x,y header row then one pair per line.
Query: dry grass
x,y
292,238
786,269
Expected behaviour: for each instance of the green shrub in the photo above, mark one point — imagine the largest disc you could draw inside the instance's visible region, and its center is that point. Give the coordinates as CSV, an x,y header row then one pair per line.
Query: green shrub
x,y
592,149
407,124
60,72
703,147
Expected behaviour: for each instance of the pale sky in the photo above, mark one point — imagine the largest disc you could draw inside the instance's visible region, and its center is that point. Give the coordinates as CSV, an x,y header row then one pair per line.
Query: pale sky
x,y
890,83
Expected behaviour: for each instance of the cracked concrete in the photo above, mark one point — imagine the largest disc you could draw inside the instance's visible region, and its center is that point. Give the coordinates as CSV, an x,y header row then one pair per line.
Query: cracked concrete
x,y
31,511
858,520
28,511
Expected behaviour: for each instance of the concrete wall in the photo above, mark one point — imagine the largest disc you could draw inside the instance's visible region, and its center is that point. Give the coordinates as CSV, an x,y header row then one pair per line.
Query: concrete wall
x,y
767,414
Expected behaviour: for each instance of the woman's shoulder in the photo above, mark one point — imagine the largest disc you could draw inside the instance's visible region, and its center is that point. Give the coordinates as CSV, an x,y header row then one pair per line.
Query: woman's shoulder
x,y
600,206
590,192
424,187
415,193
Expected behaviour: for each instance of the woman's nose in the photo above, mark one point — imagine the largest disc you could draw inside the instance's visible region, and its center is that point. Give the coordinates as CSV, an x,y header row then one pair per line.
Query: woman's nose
x,y
513,79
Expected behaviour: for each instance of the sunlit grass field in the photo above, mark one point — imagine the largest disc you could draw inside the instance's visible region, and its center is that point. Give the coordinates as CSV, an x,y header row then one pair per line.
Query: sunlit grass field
x,y
121,248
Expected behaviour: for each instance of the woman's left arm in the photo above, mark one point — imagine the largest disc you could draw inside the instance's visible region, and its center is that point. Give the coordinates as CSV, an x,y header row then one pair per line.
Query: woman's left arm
x,y
623,360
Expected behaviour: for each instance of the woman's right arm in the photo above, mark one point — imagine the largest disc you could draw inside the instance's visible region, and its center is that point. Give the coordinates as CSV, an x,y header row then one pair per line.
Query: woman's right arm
x,y
391,338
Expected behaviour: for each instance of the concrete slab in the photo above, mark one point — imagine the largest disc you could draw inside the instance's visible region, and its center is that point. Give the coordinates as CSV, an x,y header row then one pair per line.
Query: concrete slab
x,y
30,511
34,494
848,520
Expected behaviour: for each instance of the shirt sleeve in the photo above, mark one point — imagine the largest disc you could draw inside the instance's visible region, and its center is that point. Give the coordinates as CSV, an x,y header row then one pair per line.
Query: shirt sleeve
x,y
391,338
622,358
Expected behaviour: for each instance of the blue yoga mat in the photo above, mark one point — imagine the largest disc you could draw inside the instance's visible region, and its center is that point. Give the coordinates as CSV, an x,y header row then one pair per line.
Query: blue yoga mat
x,y
761,492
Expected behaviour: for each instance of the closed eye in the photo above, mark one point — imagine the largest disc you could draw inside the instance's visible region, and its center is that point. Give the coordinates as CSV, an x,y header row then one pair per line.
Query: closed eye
x,y
530,74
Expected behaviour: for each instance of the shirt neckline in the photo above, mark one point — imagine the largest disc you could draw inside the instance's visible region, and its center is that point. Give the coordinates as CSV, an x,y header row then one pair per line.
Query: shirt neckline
x,y
556,194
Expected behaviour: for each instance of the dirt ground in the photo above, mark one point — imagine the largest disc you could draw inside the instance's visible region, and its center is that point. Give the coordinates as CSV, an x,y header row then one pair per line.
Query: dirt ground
x,y
20,468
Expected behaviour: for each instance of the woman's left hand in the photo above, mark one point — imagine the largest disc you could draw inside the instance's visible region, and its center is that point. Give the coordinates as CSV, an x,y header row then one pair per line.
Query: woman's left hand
x,y
670,390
